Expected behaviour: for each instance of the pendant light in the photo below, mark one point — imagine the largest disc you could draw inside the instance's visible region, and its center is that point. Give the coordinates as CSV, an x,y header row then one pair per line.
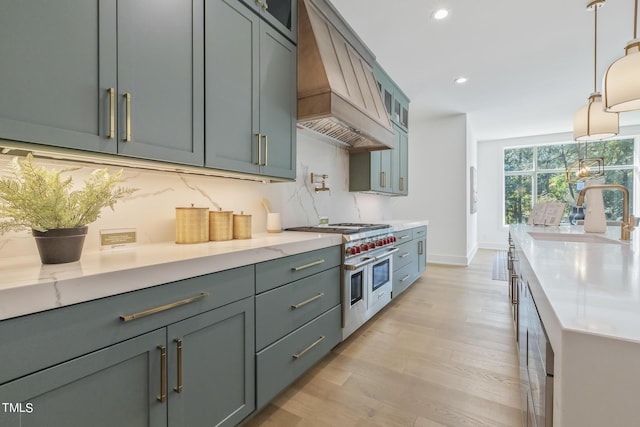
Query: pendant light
x,y
621,84
591,122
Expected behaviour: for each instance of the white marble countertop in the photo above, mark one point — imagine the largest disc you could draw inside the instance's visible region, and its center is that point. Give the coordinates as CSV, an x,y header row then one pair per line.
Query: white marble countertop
x,y
591,288
400,225
27,286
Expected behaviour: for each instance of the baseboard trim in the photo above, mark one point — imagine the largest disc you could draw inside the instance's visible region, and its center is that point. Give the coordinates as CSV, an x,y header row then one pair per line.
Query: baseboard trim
x,y
502,246
447,260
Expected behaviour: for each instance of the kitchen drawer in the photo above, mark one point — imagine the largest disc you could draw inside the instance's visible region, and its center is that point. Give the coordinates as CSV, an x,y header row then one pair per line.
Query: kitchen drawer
x,y
271,274
406,253
419,232
278,366
39,340
404,277
281,310
403,236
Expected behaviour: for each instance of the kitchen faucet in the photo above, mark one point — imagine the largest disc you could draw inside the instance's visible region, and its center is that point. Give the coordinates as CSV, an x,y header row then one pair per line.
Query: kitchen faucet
x,y
628,221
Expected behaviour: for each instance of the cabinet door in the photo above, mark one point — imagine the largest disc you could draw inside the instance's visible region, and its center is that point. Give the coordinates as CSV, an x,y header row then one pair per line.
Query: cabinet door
x,y
56,69
422,255
160,66
277,104
212,368
116,386
403,162
232,34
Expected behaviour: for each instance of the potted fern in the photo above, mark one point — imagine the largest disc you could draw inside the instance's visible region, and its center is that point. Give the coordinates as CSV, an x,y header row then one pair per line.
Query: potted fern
x,y
34,197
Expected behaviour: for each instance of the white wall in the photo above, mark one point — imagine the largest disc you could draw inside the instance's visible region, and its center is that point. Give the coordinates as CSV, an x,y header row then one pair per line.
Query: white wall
x,y
438,186
151,210
492,233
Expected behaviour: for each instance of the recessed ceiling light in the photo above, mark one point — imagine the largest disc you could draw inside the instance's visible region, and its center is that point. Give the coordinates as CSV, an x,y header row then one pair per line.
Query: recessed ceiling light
x,y
460,80
440,14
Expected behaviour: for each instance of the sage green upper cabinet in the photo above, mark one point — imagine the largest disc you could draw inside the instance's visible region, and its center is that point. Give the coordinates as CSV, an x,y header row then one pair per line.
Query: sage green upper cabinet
x,y
55,71
108,76
400,162
282,14
160,102
250,93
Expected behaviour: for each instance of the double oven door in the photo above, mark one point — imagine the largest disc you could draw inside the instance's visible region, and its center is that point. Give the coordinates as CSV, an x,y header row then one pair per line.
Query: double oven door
x,y
366,288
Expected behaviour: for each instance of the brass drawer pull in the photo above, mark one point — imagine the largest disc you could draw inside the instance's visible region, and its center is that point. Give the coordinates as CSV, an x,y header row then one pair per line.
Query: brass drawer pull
x,y
178,388
404,255
155,310
311,264
127,135
315,343
266,146
404,279
163,374
112,112
406,236
420,247
307,301
259,141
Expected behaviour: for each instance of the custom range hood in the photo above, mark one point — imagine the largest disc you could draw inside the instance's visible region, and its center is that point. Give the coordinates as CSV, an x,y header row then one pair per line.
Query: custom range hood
x,y
337,92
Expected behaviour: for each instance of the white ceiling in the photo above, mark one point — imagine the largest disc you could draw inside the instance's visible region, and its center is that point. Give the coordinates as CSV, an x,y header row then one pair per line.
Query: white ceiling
x,y
529,64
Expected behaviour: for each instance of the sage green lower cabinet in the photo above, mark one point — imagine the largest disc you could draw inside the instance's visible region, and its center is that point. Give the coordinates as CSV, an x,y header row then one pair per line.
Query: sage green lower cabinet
x,y
179,354
298,316
211,370
411,259
285,360
116,386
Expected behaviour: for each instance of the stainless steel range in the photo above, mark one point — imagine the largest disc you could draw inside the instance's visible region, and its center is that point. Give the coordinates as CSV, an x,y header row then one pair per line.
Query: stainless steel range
x,y
367,266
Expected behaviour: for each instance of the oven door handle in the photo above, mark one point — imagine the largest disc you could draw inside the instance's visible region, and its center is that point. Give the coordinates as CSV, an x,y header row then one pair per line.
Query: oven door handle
x,y
386,254
351,267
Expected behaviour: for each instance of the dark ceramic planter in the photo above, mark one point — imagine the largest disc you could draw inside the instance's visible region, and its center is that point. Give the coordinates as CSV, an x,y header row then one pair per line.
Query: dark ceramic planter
x,y
60,245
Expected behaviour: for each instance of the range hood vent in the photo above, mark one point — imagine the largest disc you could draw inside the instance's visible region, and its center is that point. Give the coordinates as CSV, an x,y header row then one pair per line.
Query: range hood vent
x,y
338,96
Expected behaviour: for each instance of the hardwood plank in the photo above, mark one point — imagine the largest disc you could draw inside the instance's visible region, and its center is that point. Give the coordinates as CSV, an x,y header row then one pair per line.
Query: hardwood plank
x,y
441,354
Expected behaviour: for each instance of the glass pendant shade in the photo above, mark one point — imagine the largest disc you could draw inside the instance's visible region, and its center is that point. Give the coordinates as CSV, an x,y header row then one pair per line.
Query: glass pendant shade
x,y
592,123
621,84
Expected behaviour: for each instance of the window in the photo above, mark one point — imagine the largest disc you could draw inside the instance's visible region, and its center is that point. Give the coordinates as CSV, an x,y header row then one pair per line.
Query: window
x,y
540,171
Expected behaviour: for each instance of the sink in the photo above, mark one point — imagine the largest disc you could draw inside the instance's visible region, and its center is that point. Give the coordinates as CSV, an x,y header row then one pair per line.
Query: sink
x,y
573,237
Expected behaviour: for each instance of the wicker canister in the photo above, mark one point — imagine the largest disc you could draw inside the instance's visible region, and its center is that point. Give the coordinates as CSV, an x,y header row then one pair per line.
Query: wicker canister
x,y
220,225
192,225
241,226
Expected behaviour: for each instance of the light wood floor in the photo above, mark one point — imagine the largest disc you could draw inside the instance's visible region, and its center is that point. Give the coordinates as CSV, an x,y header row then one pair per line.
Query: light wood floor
x,y
441,354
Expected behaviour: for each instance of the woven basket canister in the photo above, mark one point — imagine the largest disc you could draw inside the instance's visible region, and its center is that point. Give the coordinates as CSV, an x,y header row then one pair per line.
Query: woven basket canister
x,y
192,225
241,226
220,225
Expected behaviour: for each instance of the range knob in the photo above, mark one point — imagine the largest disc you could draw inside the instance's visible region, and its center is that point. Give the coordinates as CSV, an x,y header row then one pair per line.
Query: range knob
x,y
372,245
353,251
364,247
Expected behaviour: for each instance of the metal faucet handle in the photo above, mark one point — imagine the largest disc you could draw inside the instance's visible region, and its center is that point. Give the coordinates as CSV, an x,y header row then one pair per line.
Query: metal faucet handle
x,y
630,226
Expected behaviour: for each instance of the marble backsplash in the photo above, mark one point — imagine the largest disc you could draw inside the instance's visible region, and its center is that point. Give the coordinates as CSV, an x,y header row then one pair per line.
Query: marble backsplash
x,y
151,210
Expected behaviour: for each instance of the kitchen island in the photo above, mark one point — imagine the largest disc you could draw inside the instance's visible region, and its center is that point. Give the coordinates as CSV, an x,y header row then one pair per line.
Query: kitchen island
x,y
587,296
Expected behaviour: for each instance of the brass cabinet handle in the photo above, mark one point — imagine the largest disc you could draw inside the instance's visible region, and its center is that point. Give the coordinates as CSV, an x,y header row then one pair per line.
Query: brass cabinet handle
x,y
127,318
307,301
112,112
266,150
514,297
313,344
265,5
404,255
259,142
404,279
406,236
178,388
401,183
127,134
163,373
311,264
420,247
